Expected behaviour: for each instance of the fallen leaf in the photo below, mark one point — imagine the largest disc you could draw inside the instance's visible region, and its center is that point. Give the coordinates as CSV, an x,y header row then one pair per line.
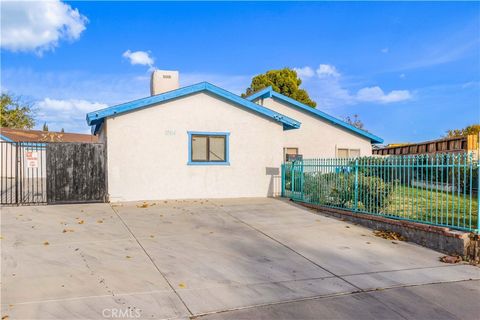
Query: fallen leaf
x,y
144,205
182,285
80,222
68,230
5,317
451,259
367,242
347,226
389,235
152,236
46,243
394,242
128,257
99,221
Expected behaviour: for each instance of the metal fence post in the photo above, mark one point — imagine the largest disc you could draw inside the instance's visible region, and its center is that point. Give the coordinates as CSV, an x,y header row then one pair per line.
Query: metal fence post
x,y
478,196
282,192
356,184
292,182
17,173
301,179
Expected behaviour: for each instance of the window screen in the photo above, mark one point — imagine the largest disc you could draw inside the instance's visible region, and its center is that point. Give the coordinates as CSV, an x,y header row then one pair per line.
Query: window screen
x,y
348,153
354,153
208,148
342,153
289,152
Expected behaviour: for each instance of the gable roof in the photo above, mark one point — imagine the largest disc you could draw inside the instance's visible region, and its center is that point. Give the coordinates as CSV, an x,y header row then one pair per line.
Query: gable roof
x,y
96,118
21,135
269,92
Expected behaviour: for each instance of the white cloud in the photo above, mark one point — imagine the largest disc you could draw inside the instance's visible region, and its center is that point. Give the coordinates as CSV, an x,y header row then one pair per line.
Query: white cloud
x,y
68,114
327,70
142,58
39,25
329,90
305,72
385,50
70,94
376,94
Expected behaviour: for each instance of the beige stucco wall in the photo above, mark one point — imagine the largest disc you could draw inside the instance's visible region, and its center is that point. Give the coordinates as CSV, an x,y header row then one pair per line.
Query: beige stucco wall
x,y
316,138
147,152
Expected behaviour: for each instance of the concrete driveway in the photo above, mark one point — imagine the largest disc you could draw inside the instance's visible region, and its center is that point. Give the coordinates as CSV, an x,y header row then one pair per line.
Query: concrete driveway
x,y
231,258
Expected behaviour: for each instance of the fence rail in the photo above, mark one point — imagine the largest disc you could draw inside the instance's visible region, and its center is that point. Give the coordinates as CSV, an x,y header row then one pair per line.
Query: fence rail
x,y
440,189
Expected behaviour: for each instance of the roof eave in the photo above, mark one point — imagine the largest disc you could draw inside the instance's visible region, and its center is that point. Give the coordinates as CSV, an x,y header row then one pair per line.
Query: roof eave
x,y
270,93
95,118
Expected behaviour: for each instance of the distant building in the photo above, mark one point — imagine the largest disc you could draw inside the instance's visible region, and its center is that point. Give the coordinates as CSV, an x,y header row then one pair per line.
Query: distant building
x,y
467,144
20,135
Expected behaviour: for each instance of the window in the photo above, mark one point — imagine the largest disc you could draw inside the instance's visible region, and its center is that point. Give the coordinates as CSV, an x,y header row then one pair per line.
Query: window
x,y
289,153
207,148
348,153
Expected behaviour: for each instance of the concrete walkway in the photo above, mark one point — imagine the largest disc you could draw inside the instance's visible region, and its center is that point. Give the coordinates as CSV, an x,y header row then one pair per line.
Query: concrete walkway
x,y
232,258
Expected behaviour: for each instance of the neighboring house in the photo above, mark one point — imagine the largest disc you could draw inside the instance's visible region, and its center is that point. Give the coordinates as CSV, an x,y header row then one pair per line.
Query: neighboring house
x,y
466,144
202,141
321,135
21,135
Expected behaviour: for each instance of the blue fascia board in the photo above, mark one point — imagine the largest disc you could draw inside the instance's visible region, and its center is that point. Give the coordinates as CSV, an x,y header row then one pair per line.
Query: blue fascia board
x,y
6,138
95,117
269,92
264,93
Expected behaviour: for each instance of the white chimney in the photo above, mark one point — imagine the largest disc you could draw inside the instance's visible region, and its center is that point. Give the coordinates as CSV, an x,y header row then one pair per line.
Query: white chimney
x,y
163,81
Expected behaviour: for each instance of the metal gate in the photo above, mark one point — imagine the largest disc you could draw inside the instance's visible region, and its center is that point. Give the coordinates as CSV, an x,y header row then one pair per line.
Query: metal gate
x,y
75,172
48,173
22,173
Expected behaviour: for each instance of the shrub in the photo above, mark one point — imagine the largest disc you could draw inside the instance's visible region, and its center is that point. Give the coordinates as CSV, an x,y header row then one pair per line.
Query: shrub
x,y
338,190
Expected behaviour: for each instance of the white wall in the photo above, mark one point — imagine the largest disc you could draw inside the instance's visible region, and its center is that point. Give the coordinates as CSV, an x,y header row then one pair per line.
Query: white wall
x,y
147,152
316,138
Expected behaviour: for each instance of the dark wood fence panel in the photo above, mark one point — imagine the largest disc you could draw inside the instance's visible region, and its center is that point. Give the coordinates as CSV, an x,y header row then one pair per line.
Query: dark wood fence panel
x,y
75,172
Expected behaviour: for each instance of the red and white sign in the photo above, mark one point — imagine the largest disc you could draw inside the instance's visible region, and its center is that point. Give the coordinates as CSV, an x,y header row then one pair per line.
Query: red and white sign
x,y
32,159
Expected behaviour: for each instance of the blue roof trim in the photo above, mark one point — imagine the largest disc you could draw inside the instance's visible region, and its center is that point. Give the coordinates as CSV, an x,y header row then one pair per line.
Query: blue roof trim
x,y
6,138
269,92
96,118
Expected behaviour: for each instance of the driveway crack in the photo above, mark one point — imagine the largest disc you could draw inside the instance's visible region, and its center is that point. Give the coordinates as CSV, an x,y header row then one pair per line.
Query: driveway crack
x,y
151,259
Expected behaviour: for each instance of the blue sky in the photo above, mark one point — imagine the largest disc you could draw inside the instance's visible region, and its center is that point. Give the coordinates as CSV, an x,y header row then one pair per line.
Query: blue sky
x,y
409,70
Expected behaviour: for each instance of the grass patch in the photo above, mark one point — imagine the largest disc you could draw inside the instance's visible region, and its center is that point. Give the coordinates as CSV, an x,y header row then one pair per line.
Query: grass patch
x,y
438,207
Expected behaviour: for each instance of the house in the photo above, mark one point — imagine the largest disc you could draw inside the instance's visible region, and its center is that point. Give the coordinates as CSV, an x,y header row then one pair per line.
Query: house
x,y
320,135
202,141
21,135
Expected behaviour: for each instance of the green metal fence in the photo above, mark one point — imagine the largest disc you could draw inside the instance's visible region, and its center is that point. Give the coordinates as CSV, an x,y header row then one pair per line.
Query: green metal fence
x,y
440,189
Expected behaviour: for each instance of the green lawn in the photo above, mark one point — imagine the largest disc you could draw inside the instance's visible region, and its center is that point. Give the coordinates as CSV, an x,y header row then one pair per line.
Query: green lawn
x,y
434,206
